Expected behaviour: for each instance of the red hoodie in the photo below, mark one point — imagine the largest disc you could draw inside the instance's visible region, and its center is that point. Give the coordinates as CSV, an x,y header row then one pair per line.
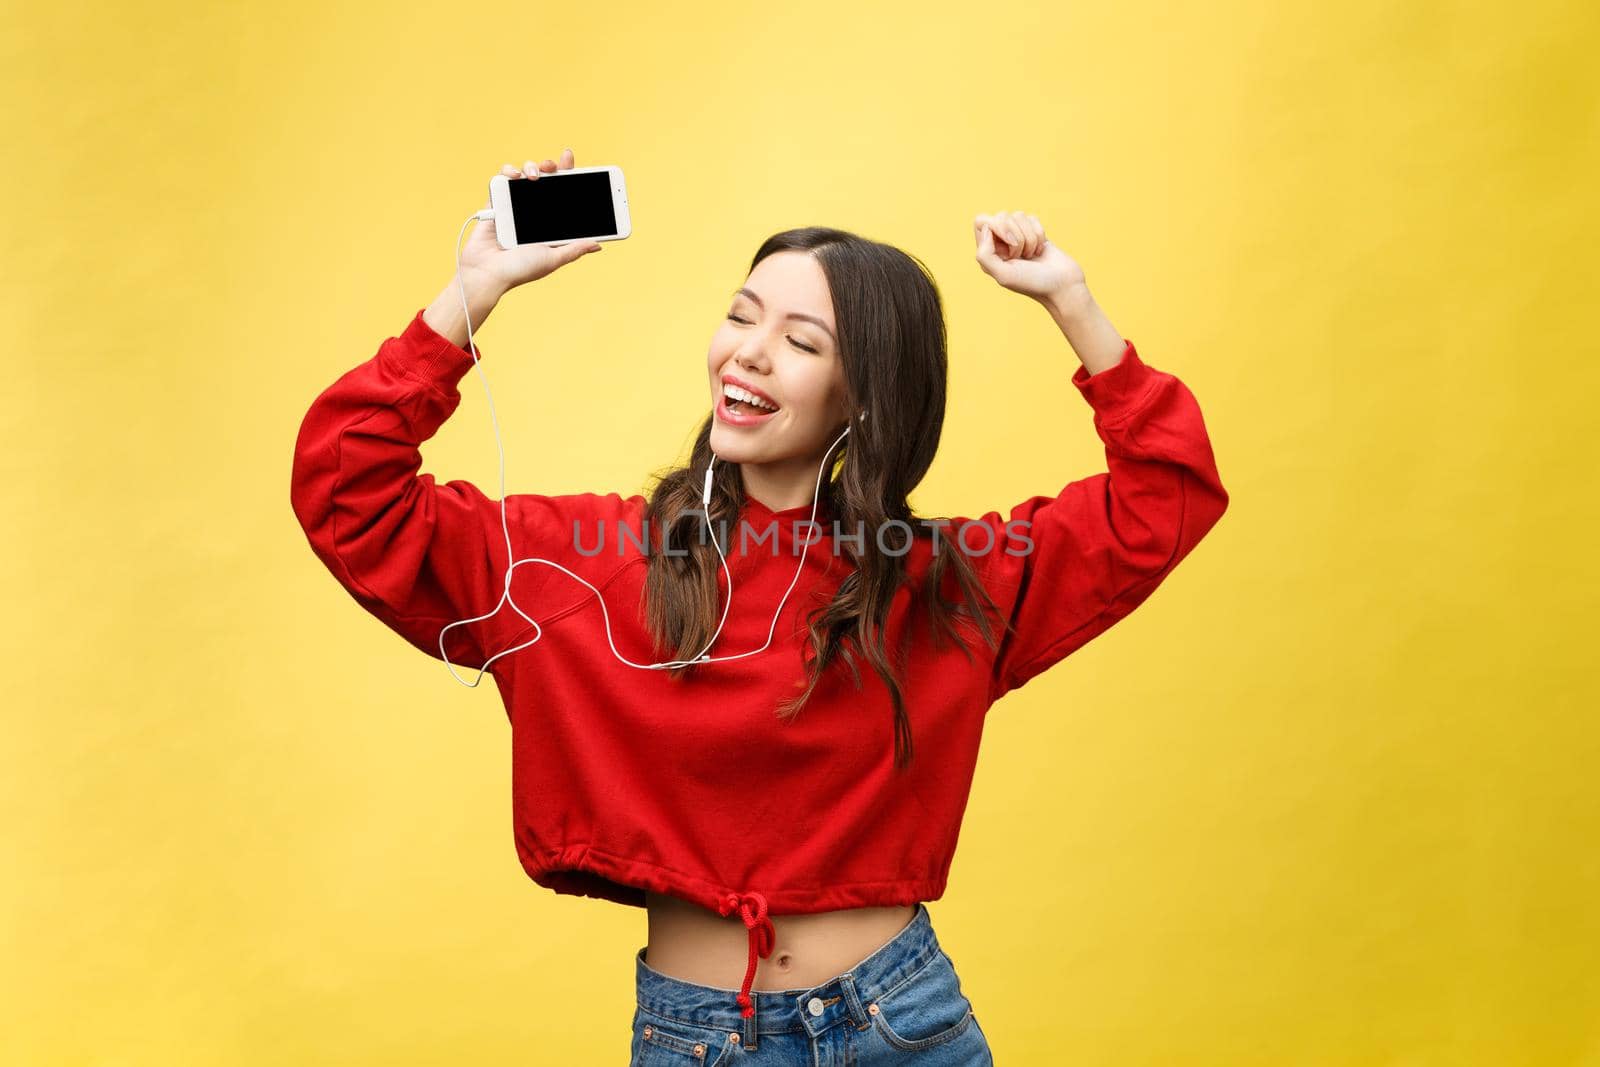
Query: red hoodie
x,y
626,780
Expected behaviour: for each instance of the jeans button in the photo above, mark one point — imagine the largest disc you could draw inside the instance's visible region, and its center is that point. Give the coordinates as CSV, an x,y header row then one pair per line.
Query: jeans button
x,y
815,1007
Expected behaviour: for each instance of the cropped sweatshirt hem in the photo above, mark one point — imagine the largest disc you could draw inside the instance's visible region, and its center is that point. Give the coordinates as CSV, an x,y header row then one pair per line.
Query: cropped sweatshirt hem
x,y
583,870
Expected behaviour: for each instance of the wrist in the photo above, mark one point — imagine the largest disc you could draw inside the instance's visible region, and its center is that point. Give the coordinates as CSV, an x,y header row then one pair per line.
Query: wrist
x,y
482,290
1097,343
1070,305
446,316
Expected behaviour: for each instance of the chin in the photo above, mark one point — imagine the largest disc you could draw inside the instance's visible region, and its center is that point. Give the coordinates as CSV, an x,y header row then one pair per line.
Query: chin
x,y
728,447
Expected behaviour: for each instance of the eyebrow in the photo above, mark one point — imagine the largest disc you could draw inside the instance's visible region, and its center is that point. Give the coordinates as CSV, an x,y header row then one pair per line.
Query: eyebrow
x,y
791,315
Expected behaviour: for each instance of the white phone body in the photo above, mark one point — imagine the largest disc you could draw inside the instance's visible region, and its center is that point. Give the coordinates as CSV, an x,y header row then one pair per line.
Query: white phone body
x,y
581,204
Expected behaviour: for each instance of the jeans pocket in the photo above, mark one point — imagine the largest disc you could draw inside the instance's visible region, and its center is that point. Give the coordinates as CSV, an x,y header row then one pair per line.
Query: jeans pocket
x,y
926,1010
666,1042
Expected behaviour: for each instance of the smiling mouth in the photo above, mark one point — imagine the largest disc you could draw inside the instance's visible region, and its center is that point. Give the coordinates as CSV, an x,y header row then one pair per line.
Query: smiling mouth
x,y
734,412
739,400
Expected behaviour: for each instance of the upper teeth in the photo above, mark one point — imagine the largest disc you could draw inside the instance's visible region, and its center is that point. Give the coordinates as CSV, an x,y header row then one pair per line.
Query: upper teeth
x,y
733,392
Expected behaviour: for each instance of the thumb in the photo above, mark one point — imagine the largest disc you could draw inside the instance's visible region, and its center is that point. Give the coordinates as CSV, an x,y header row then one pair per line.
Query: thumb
x,y
987,258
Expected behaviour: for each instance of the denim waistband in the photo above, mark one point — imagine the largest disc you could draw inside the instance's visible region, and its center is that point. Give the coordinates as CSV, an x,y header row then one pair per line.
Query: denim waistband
x,y
813,1009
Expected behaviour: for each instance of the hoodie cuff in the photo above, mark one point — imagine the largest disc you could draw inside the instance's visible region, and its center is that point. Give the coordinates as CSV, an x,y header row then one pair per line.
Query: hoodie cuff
x,y
428,356
1117,391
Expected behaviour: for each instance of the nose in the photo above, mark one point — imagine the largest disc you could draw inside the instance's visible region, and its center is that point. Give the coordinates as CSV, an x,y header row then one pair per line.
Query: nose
x,y
751,360
753,350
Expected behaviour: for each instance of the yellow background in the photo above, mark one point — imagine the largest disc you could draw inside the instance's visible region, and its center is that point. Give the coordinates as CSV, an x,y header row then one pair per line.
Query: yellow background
x,y
1327,798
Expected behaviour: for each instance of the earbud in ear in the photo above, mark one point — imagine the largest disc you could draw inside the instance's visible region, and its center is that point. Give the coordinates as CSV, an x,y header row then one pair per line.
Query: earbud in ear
x,y
861,417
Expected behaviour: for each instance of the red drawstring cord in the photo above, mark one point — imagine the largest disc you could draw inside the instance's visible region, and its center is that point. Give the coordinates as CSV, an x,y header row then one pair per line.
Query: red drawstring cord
x,y
753,910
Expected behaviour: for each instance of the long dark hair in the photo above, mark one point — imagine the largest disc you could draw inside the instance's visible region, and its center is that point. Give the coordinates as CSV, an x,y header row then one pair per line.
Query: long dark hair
x,y
892,345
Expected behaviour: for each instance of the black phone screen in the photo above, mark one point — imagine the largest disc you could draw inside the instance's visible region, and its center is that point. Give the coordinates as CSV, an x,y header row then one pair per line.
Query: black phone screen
x,y
562,207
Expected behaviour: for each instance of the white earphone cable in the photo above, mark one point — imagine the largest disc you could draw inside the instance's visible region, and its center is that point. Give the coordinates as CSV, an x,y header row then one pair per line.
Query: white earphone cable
x,y
505,596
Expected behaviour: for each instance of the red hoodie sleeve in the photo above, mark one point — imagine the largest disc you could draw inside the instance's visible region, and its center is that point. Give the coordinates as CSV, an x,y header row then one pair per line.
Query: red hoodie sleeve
x,y
416,554
1065,568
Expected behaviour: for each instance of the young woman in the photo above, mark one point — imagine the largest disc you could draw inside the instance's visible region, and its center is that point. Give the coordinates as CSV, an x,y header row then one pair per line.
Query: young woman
x,y
774,808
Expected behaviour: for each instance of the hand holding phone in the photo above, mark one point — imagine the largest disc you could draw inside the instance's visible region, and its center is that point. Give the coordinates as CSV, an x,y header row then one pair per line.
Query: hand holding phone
x,y
492,252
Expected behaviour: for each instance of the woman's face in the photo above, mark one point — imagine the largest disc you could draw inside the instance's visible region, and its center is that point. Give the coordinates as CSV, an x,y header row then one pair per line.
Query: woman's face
x,y
791,362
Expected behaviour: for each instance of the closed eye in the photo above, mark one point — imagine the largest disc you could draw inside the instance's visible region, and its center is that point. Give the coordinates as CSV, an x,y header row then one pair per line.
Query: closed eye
x,y
797,344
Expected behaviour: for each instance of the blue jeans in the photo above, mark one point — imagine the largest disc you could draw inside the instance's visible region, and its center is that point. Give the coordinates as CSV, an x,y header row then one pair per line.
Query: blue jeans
x,y
901,1005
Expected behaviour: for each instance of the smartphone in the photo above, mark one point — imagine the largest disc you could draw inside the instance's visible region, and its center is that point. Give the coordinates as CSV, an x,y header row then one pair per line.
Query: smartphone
x,y
581,204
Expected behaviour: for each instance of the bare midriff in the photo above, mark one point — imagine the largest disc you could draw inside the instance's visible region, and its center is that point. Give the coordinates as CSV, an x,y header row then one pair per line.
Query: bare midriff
x,y
692,944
